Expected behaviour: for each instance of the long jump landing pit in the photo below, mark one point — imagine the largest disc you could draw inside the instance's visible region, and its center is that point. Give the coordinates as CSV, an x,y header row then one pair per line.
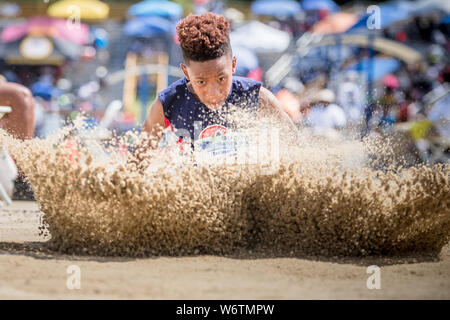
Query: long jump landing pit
x,y
312,228
30,271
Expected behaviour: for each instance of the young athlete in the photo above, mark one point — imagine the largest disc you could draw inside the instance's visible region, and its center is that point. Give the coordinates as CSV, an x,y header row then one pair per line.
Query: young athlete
x,y
197,105
20,124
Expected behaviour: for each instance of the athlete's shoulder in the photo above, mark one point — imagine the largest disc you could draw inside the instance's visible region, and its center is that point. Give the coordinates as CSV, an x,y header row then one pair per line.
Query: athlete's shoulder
x,y
246,83
175,88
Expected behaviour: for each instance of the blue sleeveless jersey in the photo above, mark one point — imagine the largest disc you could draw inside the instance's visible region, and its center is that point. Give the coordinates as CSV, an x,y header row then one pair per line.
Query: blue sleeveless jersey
x,y
191,118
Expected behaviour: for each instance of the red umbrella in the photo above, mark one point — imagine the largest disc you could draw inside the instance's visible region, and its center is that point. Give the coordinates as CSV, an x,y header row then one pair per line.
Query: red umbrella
x,y
51,27
390,81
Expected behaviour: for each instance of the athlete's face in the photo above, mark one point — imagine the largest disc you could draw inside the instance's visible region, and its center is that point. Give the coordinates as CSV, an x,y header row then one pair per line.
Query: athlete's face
x,y
211,80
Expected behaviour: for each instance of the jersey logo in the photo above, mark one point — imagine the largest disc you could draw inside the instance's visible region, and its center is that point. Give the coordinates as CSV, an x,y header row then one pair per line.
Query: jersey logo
x,y
213,131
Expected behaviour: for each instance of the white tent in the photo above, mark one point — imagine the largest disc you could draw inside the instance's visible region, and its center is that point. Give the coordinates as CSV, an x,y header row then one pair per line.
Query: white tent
x,y
425,6
260,38
234,15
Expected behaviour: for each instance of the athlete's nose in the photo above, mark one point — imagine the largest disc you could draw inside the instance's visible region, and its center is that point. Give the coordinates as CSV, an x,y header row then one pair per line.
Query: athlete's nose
x,y
214,92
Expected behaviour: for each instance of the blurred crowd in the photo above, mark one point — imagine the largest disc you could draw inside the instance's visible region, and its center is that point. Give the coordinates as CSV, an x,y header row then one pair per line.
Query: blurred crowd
x,y
336,88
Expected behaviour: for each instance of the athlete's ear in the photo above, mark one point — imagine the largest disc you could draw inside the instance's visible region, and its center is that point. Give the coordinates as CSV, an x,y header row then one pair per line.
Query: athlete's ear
x,y
184,69
233,65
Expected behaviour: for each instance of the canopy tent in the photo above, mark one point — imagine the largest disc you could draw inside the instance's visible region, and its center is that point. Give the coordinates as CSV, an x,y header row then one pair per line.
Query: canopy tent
x,y
328,5
388,47
396,11
260,38
39,50
336,23
381,66
281,68
390,13
282,8
429,6
45,26
147,27
87,9
160,8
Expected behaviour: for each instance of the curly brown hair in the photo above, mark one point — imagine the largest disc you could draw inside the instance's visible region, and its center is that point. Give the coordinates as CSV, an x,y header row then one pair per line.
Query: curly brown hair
x,y
204,37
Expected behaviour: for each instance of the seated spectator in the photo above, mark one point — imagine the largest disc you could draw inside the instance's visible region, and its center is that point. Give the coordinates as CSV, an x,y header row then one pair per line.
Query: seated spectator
x,y
407,110
388,102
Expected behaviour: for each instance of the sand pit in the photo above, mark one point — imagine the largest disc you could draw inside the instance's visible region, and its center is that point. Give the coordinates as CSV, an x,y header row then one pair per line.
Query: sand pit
x,y
321,198
30,271
172,228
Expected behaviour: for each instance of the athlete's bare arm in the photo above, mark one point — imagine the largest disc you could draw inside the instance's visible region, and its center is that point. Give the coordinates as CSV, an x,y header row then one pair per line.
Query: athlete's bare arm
x,y
154,124
269,106
20,122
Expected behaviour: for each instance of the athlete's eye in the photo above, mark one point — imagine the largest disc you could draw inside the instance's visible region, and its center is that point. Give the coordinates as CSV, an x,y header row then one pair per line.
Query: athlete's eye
x,y
222,79
200,82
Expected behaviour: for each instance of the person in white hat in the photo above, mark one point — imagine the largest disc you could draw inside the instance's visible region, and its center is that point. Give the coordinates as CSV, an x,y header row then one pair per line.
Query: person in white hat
x,y
325,114
350,97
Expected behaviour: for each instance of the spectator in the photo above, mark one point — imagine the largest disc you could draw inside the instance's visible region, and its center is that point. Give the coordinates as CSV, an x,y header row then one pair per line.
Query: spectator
x,y
351,98
407,109
388,102
325,115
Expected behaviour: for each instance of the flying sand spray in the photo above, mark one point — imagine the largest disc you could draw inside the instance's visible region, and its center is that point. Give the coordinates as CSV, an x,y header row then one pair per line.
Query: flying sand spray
x,y
322,198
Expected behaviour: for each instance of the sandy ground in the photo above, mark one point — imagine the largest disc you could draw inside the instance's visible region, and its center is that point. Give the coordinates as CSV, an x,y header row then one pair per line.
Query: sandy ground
x,y
29,271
